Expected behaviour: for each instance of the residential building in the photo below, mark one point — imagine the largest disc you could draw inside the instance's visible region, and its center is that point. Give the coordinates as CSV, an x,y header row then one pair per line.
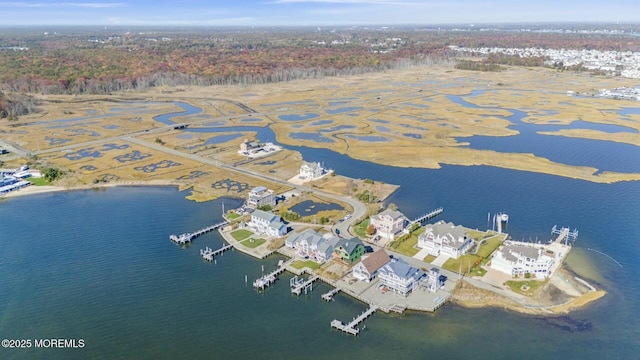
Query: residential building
x,y
518,259
433,281
312,244
400,277
311,170
268,223
445,239
368,267
389,223
260,196
349,250
249,146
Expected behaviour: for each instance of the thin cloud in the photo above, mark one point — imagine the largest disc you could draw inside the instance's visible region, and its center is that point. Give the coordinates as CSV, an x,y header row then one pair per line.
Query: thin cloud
x,y
62,4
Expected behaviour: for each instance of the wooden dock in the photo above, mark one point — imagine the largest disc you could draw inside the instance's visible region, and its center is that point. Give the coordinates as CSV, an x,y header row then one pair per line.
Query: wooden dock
x,y
329,296
186,238
298,284
265,280
428,216
351,328
208,253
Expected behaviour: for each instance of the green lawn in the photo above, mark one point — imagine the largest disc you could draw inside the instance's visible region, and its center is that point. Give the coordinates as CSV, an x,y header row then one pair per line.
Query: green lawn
x,y
490,245
361,229
407,247
253,243
232,215
299,264
429,258
516,286
38,181
463,263
241,234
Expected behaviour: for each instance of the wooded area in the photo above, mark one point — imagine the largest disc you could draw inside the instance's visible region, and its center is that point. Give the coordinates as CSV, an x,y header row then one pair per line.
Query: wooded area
x,y
84,61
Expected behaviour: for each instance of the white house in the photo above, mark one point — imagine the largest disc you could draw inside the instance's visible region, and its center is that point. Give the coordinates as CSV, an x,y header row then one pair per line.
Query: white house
x,y
389,223
310,243
311,170
518,259
268,223
399,276
260,196
368,267
445,238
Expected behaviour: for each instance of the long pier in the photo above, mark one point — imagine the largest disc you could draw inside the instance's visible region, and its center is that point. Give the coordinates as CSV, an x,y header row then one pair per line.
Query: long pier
x,y
428,216
329,295
185,238
208,253
351,328
297,284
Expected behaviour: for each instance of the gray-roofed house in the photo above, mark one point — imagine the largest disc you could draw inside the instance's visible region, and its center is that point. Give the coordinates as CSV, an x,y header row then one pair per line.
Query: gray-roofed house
x,y
368,267
445,238
312,244
518,259
399,276
389,223
268,223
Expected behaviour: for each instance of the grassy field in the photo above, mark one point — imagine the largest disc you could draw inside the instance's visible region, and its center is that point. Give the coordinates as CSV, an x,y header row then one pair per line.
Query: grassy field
x,y
361,229
299,264
407,246
461,264
253,243
241,234
525,287
38,181
233,215
490,245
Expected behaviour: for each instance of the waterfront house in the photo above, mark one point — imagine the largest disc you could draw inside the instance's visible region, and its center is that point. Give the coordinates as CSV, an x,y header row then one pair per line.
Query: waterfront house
x,y
445,238
260,196
311,170
268,223
397,275
368,267
389,223
518,259
326,248
249,146
433,281
348,250
312,244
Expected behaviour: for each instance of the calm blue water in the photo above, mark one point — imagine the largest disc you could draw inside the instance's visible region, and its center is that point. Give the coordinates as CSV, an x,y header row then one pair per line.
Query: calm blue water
x,y
604,155
98,265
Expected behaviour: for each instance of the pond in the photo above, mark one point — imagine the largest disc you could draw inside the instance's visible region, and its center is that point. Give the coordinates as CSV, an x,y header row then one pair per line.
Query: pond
x,y
310,207
298,117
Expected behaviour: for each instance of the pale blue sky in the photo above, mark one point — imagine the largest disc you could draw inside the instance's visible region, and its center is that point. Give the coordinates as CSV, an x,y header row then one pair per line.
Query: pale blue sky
x,y
312,12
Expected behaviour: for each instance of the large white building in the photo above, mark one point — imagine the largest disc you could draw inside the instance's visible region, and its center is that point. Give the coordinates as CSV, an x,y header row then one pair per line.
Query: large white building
x,y
268,224
400,277
260,196
445,238
311,170
518,259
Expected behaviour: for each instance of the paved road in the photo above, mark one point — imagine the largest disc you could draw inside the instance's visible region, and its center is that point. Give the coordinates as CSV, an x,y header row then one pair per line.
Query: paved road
x,y
359,208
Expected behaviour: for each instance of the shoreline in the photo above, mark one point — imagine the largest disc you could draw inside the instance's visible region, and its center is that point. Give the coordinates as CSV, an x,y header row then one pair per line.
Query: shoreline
x,y
45,189
465,295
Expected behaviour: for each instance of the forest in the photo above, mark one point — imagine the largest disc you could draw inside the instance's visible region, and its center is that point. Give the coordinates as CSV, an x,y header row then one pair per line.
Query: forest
x,y
101,61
